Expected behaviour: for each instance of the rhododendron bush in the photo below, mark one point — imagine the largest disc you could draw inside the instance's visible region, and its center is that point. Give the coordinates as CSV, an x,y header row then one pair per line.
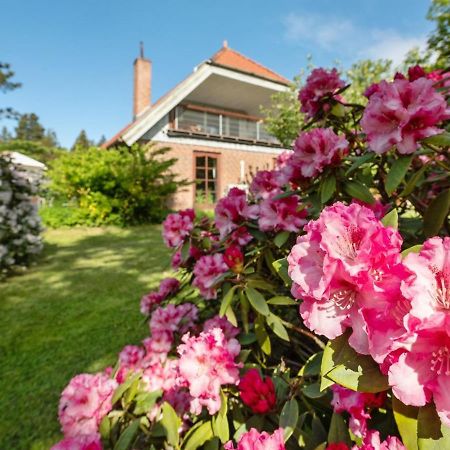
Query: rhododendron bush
x,y
20,225
312,311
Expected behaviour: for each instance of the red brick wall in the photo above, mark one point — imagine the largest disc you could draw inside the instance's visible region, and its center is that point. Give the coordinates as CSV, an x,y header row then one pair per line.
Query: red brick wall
x,y
229,168
142,85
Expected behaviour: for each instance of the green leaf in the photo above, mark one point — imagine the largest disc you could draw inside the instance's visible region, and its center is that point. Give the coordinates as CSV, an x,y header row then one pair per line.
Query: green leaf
x,y
276,325
289,417
231,316
359,161
391,219
171,423
199,436
261,336
124,386
436,214
442,139
281,238
341,364
412,182
281,266
431,433
281,300
406,420
396,173
313,391
257,301
127,437
413,249
360,191
327,188
185,250
226,301
146,401
105,428
312,366
220,422
212,444
338,431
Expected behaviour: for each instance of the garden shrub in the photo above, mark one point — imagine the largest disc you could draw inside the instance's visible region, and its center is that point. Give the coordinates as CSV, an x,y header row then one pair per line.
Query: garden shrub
x,y
117,186
20,225
313,313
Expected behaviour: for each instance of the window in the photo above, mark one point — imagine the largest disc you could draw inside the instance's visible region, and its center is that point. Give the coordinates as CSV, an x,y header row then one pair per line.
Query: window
x,y
205,179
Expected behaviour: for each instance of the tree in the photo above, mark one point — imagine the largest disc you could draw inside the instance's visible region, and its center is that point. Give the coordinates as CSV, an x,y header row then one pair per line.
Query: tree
x,y
101,141
82,141
50,139
29,128
439,40
5,135
6,85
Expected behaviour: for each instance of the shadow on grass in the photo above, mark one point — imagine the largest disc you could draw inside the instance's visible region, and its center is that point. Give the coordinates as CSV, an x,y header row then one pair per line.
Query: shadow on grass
x,y
71,313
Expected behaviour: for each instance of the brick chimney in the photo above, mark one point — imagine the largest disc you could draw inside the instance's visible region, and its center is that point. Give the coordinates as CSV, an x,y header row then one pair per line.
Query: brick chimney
x,y
142,83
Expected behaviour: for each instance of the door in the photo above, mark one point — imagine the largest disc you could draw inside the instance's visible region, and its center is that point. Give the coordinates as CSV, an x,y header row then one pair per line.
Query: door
x,y
205,180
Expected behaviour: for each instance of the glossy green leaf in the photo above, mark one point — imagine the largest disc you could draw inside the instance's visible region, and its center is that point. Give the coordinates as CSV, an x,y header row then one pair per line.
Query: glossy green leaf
x,y
257,301
185,250
338,431
281,266
220,422
105,428
281,238
412,182
127,437
436,214
431,433
226,301
312,366
212,444
391,219
327,188
199,436
396,173
358,190
313,391
282,300
118,393
359,161
289,417
262,337
145,401
413,249
441,140
171,423
406,420
276,325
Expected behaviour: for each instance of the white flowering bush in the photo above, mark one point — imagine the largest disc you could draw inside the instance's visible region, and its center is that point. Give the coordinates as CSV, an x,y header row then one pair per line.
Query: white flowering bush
x,y
20,225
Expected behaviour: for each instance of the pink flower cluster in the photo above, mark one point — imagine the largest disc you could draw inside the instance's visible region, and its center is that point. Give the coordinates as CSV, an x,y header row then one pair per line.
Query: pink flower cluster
x,y
283,214
177,227
83,442
173,319
167,287
254,440
228,329
265,184
206,363
84,402
207,271
319,84
232,210
401,113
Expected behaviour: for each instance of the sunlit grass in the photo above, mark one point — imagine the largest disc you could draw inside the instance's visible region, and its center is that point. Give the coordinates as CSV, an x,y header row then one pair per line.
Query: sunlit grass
x,y
71,313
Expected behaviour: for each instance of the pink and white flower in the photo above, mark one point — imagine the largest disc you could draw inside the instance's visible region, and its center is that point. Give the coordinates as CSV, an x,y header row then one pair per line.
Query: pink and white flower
x,y
207,271
206,363
229,330
173,319
255,440
82,442
372,441
177,227
402,113
265,184
284,214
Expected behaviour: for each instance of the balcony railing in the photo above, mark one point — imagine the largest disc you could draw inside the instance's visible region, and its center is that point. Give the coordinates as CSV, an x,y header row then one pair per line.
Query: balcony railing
x,y
209,123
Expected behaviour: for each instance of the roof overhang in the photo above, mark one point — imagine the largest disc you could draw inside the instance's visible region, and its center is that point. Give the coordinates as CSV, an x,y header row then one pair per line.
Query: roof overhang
x,y
209,84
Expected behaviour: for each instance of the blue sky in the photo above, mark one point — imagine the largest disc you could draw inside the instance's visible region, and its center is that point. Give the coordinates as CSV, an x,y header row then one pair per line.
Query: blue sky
x,y
75,58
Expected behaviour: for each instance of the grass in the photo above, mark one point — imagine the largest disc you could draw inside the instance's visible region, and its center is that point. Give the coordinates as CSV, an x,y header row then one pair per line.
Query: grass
x,y
71,313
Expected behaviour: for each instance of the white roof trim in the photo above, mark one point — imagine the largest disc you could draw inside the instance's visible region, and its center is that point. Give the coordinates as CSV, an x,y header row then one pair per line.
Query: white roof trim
x,y
181,91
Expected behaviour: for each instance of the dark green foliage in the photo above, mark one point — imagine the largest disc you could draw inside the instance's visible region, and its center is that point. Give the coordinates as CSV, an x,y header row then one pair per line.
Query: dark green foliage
x,y
82,142
119,186
35,150
6,84
29,128
439,40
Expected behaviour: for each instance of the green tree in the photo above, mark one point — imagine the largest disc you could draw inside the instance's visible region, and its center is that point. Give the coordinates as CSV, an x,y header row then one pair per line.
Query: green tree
x,y
101,141
82,142
50,139
29,128
35,150
5,135
439,40
6,85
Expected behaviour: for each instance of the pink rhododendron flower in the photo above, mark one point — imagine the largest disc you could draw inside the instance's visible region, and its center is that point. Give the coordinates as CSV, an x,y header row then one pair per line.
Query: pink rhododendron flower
x,y
207,271
131,356
378,208
255,440
319,84
84,402
265,184
337,446
148,301
341,266
206,363
422,371
316,149
372,441
232,210
229,330
173,319
257,393
241,236
401,113
177,227
82,442
283,158
357,404
284,214
158,345
167,287
234,258
176,260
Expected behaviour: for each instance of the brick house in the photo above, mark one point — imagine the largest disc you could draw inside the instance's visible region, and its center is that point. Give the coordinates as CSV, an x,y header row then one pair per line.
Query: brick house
x,y
211,121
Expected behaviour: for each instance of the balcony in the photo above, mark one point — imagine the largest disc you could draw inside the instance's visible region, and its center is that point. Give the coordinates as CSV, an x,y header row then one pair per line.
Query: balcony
x,y
210,123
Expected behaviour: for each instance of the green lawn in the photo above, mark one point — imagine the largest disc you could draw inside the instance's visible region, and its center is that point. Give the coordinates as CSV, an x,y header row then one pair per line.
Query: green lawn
x,y
71,313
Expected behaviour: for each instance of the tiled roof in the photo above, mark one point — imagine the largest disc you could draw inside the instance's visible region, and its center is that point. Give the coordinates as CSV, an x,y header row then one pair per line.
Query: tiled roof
x,y
234,60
